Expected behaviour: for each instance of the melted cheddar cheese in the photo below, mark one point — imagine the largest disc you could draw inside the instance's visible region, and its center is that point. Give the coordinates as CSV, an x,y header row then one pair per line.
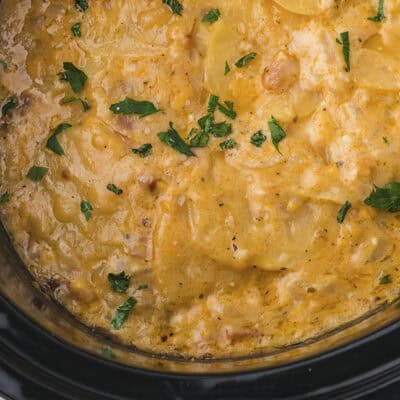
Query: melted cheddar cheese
x,y
240,247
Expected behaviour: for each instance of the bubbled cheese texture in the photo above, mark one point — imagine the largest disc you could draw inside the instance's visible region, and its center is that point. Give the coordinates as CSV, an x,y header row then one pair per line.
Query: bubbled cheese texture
x,y
240,248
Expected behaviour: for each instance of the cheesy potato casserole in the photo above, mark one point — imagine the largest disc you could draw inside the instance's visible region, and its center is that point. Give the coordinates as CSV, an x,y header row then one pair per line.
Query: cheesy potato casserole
x,y
204,178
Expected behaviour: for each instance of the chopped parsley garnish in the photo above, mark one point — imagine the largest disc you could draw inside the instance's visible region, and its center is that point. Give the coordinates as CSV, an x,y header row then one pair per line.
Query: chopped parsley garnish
x,y
37,173
245,60
67,100
258,139
81,5
345,43
277,133
385,139
74,76
130,106
212,16
174,5
119,282
172,139
228,144
143,287
227,109
144,150
86,209
385,280
380,16
53,143
221,129
122,313
343,212
107,352
201,139
227,68
206,122
76,29
386,198
5,198
115,189
9,104
212,103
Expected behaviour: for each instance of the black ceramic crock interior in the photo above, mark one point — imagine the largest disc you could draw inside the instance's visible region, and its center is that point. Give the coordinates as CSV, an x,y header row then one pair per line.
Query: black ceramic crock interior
x,y
41,342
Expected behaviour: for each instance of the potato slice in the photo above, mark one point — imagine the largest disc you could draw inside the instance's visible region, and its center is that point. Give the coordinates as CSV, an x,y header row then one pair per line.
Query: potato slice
x,y
374,70
305,7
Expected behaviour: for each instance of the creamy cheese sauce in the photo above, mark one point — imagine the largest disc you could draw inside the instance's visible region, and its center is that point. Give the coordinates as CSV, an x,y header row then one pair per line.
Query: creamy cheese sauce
x,y
240,248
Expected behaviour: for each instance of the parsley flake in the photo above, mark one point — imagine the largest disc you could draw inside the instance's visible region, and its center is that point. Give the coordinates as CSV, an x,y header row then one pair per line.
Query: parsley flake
x,y
143,287
122,313
53,143
86,209
385,280
174,5
212,16
67,100
380,16
5,198
107,352
386,198
74,76
227,109
76,29
343,212
130,106
115,189
36,174
258,139
345,43
227,68
228,144
9,104
212,103
81,5
245,60
119,282
277,133
144,151
172,139
201,139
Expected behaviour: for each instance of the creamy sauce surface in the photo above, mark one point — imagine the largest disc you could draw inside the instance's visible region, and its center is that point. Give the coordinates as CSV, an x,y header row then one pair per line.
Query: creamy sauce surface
x,y
233,249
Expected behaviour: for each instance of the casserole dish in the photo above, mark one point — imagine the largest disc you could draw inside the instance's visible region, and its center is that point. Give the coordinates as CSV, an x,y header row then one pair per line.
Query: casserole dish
x,y
282,198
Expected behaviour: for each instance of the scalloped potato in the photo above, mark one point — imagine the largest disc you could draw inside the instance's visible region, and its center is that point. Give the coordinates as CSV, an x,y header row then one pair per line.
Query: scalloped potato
x,y
192,177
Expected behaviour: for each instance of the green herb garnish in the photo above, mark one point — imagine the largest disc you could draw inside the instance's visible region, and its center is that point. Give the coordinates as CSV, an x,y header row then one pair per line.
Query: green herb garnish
x,y
172,139
122,313
144,151
221,129
258,139
119,282
174,5
76,29
5,198
86,209
277,133
74,76
115,189
107,352
227,109
345,43
9,104
386,198
67,100
343,212
227,68
143,287
385,280
228,144
130,106
212,16
53,143
201,139
37,173
212,103
81,5
380,16
245,60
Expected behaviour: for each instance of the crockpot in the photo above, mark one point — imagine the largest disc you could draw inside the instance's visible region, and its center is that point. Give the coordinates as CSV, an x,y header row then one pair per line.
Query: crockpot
x,y
47,354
